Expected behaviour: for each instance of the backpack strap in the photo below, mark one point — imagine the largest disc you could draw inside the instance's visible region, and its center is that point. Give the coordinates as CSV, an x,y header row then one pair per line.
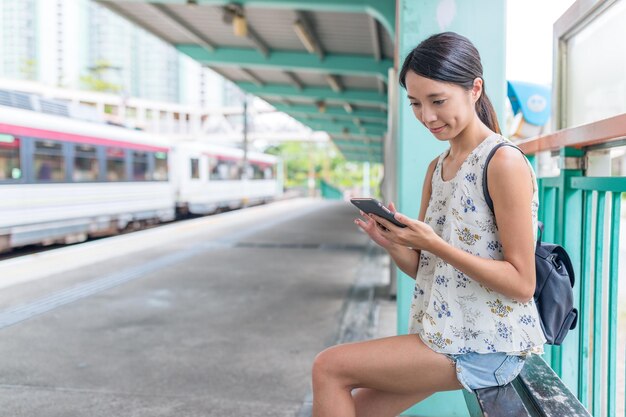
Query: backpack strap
x,y
491,153
486,187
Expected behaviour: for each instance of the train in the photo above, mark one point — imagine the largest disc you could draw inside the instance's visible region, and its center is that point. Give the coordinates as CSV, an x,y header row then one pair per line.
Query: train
x,y
64,180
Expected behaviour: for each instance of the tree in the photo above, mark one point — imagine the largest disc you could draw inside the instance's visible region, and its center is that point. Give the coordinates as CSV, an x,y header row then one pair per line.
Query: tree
x,y
29,69
95,79
326,162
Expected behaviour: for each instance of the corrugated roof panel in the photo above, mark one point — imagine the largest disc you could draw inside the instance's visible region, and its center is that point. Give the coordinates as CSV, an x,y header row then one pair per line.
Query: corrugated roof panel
x,y
300,100
360,83
231,73
271,76
145,16
343,33
312,79
386,43
207,20
275,27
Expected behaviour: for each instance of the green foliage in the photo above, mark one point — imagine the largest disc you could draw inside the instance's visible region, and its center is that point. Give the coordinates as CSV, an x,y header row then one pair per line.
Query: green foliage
x,y
29,69
95,80
324,161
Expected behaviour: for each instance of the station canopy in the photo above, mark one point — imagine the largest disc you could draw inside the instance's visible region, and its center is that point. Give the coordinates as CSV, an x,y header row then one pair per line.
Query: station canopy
x,y
323,62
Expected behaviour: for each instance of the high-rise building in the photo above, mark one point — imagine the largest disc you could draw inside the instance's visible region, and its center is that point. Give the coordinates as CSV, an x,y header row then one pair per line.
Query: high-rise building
x,y
137,62
18,40
81,44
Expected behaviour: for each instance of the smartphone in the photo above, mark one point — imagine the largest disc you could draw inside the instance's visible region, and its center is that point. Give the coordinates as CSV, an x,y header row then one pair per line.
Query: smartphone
x,y
371,205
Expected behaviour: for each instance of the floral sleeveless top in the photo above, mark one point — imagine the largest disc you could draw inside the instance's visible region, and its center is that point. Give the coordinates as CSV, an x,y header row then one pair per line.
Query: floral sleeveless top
x,y
450,311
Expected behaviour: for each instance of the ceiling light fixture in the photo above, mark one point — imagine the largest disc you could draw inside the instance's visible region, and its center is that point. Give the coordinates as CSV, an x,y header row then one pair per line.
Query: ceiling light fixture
x,y
234,13
240,26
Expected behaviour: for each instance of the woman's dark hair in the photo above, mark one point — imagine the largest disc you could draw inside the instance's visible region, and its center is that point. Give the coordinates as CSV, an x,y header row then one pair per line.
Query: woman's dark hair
x,y
451,58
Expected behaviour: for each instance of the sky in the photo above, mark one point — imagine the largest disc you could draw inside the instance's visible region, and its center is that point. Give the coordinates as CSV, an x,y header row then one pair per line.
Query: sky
x,y
529,38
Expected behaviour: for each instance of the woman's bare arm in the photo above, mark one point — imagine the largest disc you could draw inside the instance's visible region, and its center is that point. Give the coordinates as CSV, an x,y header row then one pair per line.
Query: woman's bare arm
x,y
405,258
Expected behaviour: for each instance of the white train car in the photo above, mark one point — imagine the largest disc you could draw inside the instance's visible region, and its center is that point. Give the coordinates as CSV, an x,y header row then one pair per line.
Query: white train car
x,y
63,180
210,177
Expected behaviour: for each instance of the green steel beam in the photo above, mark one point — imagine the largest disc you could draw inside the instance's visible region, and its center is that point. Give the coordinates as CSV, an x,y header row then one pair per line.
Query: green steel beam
x,y
359,147
363,65
382,10
364,151
377,145
349,129
324,125
332,112
343,122
362,157
315,93
359,137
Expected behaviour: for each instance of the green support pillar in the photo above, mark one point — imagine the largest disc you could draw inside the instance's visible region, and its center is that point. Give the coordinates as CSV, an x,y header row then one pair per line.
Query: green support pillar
x,y
484,23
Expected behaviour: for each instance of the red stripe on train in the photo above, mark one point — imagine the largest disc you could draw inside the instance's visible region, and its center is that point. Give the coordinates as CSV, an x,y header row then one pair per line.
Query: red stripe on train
x,y
70,137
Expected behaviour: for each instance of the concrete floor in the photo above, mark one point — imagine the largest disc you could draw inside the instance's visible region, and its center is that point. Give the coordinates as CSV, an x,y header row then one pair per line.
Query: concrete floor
x,y
224,320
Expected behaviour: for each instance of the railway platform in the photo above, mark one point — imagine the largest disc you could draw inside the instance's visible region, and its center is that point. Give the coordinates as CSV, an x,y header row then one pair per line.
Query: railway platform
x,y
216,316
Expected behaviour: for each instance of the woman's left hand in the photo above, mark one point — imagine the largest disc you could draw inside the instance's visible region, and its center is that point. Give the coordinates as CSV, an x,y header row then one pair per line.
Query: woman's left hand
x,y
416,234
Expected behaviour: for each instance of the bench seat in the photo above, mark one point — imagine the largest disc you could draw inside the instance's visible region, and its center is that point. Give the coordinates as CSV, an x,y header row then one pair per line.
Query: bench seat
x,y
536,392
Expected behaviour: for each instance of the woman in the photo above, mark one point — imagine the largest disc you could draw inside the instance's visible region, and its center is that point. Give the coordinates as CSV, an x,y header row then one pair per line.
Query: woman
x,y
473,321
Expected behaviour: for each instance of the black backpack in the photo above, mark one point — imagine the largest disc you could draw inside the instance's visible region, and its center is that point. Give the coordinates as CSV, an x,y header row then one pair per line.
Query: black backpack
x,y
554,295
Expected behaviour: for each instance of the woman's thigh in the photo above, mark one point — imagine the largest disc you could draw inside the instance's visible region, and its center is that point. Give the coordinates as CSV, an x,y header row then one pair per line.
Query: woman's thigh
x,y
372,403
396,365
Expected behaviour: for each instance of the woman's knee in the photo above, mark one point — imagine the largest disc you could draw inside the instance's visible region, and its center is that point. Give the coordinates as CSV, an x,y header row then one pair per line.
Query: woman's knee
x,y
327,364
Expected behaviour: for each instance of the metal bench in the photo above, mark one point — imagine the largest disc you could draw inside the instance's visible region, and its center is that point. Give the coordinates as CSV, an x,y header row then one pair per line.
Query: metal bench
x,y
536,392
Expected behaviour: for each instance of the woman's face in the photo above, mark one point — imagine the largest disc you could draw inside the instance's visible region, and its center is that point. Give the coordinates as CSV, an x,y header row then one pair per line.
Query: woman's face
x,y
445,109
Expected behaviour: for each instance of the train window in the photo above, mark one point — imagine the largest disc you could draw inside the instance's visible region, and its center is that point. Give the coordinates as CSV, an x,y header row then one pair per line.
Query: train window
x,y
262,171
195,168
234,170
224,169
257,171
249,172
9,158
213,170
268,172
160,167
116,167
85,164
140,166
49,161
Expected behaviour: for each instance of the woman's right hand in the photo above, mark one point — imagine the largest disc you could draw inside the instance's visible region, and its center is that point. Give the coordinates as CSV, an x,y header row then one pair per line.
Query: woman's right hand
x,y
373,229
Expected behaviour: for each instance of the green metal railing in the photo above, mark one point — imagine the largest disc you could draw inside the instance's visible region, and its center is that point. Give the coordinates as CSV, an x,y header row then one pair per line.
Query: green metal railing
x,y
573,208
329,191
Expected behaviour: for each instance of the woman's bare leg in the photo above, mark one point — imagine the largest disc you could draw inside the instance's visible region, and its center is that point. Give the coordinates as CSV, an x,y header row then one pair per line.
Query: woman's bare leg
x,y
393,368
371,403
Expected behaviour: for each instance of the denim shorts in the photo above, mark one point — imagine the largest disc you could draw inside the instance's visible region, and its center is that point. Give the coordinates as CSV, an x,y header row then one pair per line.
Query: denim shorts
x,y
482,370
